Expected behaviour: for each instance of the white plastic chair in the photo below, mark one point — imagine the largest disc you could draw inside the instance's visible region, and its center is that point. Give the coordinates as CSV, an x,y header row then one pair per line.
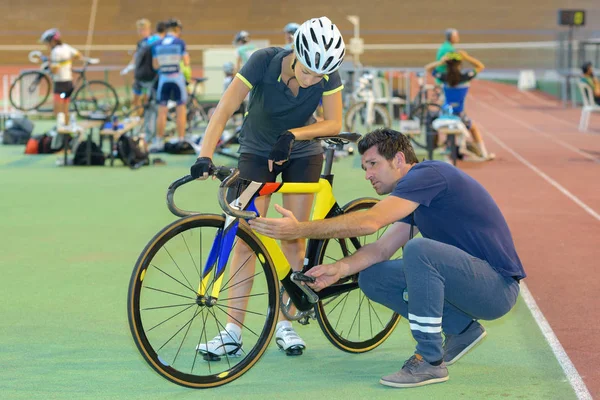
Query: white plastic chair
x,y
589,105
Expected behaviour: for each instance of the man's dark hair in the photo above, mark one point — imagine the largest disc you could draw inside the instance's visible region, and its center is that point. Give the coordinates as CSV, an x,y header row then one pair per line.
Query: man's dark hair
x,y
388,142
161,27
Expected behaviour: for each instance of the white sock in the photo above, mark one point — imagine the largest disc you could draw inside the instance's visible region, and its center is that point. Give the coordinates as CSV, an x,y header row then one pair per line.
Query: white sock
x,y
234,329
283,324
484,151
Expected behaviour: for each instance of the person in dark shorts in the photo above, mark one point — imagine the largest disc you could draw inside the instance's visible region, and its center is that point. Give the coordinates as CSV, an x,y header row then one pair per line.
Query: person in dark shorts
x,y
60,62
285,88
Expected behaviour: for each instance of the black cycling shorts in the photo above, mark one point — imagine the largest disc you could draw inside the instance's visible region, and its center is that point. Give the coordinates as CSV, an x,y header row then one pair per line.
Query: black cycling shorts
x,y
63,89
304,169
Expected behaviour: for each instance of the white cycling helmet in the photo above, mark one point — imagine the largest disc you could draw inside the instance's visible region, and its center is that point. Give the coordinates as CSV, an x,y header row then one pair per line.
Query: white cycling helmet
x,y
319,45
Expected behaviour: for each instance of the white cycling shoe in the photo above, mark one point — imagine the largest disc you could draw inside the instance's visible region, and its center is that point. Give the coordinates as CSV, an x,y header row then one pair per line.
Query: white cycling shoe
x,y
288,340
225,344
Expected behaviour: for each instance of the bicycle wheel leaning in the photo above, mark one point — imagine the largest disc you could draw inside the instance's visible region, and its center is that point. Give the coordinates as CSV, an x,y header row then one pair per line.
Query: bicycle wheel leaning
x,y
425,113
95,100
169,319
357,118
30,90
350,320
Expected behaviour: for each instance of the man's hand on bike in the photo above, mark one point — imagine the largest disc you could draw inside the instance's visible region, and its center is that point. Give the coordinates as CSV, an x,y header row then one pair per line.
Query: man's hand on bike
x,y
282,149
202,168
285,228
325,274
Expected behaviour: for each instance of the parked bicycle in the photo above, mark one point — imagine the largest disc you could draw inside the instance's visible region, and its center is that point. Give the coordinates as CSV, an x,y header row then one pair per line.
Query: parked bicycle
x,y
365,114
91,99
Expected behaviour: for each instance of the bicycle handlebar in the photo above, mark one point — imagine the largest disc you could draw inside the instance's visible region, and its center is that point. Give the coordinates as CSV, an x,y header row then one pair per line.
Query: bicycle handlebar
x,y
228,177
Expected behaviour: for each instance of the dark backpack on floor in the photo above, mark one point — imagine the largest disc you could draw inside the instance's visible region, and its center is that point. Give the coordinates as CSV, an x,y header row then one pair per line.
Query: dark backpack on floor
x,y
80,156
132,152
17,131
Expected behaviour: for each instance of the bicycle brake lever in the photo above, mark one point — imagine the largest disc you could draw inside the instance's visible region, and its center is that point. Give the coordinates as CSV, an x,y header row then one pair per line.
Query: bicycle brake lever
x,y
297,278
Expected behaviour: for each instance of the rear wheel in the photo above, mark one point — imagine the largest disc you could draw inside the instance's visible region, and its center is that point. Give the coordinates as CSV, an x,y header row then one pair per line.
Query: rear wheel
x,y
95,100
425,113
169,319
349,319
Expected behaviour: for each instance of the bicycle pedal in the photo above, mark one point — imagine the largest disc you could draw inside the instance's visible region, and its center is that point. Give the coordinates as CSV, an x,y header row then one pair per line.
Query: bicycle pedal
x,y
210,357
294,351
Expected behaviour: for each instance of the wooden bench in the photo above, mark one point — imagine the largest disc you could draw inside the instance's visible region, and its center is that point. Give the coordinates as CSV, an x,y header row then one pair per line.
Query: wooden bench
x,y
116,134
80,129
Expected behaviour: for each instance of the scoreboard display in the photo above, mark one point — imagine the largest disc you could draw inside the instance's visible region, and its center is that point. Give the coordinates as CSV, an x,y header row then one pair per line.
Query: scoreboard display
x,y
571,17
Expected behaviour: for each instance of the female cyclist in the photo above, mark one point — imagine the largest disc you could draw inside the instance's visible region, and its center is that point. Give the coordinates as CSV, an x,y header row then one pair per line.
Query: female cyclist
x,y
456,86
61,58
285,88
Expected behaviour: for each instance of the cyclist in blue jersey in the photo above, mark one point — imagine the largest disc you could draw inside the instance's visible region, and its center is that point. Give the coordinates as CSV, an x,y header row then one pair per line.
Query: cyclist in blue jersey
x,y
456,87
285,88
167,55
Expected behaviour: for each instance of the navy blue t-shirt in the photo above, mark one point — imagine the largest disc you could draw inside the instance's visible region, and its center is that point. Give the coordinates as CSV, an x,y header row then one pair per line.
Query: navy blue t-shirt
x,y
455,209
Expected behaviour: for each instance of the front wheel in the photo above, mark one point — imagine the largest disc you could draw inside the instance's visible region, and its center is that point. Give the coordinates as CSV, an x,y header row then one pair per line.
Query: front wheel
x,y
30,90
347,317
95,100
169,317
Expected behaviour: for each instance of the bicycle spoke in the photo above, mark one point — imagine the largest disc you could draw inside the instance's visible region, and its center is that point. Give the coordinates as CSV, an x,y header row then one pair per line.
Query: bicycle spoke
x,y
171,293
341,312
243,297
357,315
202,333
239,309
196,312
182,274
179,330
219,307
210,285
220,335
161,307
339,302
171,317
190,253
370,321
242,281
376,314
175,279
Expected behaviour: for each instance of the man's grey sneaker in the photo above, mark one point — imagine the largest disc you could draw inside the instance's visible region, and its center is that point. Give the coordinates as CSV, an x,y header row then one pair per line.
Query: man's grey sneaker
x,y
288,340
225,344
416,372
456,346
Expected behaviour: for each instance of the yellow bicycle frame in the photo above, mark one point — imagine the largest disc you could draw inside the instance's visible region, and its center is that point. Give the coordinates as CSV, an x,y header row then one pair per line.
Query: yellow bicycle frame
x,y
324,202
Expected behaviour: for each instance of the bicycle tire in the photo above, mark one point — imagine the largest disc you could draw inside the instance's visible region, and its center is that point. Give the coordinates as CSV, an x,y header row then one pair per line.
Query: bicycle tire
x,y
136,321
327,326
39,78
425,113
381,118
91,108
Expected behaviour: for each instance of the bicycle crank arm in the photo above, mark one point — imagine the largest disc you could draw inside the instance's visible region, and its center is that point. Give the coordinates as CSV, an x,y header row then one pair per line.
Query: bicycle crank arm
x,y
298,278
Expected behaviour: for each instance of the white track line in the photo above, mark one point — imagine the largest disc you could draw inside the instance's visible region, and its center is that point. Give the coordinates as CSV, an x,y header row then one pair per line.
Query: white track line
x,y
571,124
565,362
512,118
535,169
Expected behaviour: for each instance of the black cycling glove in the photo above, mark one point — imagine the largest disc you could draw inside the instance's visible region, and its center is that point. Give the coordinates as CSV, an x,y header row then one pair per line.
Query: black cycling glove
x,y
203,165
283,147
